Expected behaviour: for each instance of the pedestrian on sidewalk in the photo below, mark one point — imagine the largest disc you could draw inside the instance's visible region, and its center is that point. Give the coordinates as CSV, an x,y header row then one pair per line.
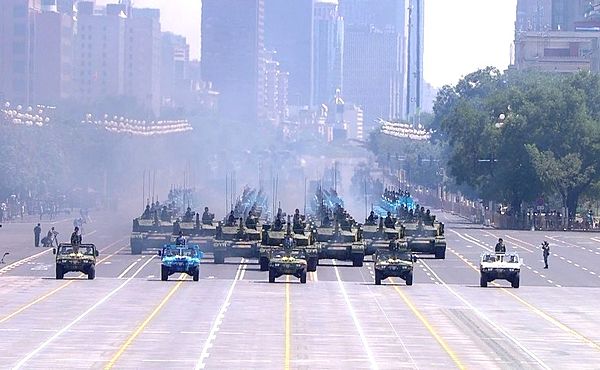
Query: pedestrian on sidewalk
x,y
37,231
546,253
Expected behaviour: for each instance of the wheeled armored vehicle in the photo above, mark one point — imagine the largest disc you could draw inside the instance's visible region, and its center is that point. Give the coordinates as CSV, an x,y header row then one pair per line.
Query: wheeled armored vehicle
x,y
288,262
396,261
79,258
273,236
180,258
504,266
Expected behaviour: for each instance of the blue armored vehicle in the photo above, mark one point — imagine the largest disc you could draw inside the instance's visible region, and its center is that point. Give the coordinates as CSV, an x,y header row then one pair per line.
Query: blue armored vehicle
x,y
180,258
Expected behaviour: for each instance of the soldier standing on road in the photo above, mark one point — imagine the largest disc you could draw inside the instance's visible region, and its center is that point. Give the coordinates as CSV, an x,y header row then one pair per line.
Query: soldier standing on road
x,y
546,252
500,247
54,236
37,231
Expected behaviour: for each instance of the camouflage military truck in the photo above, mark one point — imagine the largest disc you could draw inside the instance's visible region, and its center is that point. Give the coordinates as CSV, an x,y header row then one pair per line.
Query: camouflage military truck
x,y
426,237
395,261
81,258
149,234
236,240
288,260
273,236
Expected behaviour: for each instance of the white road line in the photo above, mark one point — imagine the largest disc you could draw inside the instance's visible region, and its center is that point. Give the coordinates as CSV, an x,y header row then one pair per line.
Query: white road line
x,y
23,261
363,338
127,270
212,335
489,321
30,355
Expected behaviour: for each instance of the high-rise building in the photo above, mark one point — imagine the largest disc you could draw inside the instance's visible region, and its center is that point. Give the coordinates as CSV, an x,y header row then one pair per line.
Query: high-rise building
x,y
414,71
17,49
232,55
375,56
175,59
142,59
289,31
99,52
275,90
328,51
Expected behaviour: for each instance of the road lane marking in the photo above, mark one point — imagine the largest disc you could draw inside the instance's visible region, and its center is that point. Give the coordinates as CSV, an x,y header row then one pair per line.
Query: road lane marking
x,y
56,290
487,319
127,270
37,350
546,316
288,331
200,364
143,325
430,328
363,338
23,261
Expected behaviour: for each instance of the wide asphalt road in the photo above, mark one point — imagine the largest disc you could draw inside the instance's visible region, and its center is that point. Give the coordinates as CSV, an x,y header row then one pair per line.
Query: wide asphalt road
x,y
233,319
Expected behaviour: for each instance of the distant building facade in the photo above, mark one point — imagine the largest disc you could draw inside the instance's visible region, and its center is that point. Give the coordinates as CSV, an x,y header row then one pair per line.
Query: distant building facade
x,y
289,32
557,36
414,71
232,55
328,51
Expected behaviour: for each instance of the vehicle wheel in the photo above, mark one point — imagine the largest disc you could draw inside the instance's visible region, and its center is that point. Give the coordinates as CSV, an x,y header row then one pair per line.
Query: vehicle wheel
x,y
196,274
59,272
440,253
164,273
91,273
483,281
357,260
219,258
271,276
409,278
264,263
303,277
312,264
516,280
377,277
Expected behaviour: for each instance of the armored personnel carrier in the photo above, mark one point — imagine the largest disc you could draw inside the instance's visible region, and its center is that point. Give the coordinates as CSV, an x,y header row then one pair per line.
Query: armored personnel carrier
x,y
80,258
493,266
288,260
426,236
180,258
273,236
237,240
395,261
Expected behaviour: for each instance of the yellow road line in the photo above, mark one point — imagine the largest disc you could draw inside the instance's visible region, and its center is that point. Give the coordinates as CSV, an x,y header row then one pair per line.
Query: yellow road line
x,y
430,328
49,294
541,313
288,338
141,328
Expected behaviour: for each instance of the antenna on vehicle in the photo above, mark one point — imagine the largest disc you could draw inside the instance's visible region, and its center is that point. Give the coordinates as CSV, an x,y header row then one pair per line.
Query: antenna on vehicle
x,y
2,259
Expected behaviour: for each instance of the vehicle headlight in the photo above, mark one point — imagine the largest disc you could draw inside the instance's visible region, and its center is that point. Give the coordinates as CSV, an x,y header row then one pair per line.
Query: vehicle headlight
x,y
277,264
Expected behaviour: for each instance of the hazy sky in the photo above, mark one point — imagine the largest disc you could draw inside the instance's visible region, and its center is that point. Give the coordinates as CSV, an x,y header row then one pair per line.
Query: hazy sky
x,y
460,35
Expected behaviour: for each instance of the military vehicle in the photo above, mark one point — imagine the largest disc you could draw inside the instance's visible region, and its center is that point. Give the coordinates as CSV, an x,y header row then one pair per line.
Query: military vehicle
x,y
395,261
339,241
377,236
288,260
426,237
493,266
393,201
273,236
81,258
197,232
236,240
180,258
148,233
